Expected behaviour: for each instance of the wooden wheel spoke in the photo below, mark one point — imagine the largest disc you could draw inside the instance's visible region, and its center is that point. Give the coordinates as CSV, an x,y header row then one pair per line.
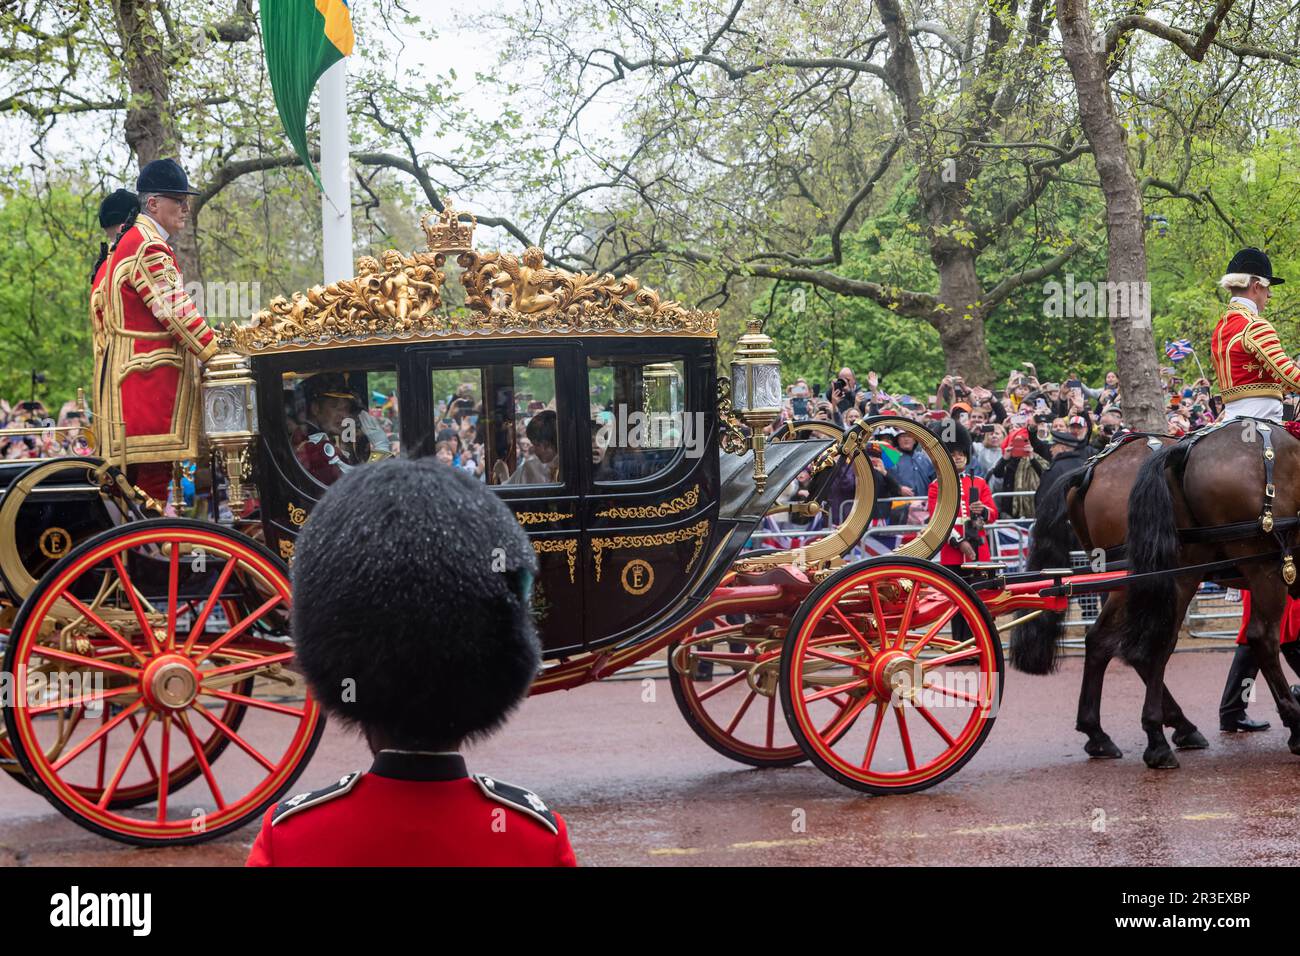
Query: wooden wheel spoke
x,y
939,728
255,664
165,753
70,657
853,631
173,585
255,702
103,625
100,736
879,612
137,607
934,630
81,700
197,627
202,758
238,629
905,737
909,607
122,764
836,658
239,741
876,724
960,695
740,712
966,653
836,690
719,688
846,718
144,749
771,722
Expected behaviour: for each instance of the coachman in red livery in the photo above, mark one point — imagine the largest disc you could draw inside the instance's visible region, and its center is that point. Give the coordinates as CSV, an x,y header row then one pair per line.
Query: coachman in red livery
x,y
154,339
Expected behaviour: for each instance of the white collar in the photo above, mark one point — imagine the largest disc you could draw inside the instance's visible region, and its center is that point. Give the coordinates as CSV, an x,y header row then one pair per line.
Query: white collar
x,y
1242,300
166,236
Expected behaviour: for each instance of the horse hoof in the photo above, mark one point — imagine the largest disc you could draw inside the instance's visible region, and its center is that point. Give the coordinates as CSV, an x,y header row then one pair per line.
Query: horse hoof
x,y
1103,747
1193,740
1160,758
1294,743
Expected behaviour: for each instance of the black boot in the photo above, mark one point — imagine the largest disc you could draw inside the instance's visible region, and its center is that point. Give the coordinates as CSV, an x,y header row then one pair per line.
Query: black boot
x,y
1291,654
1232,707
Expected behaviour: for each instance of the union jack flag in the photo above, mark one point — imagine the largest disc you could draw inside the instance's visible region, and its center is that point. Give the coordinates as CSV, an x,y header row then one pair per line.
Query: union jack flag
x,y
1178,349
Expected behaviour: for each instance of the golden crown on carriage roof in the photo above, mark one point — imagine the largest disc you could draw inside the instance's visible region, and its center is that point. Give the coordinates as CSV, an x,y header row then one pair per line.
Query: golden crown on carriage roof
x,y
446,232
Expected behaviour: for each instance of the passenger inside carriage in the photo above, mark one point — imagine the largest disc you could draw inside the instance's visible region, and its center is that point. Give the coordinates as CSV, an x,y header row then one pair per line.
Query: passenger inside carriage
x,y
542,467
332,429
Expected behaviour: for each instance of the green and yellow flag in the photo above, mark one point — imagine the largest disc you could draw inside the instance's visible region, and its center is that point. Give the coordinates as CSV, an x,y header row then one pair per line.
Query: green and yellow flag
x,y
302,39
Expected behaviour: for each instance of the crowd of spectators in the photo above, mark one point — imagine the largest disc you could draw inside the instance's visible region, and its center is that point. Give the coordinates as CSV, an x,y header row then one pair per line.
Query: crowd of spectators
x,y
1016,431
28,430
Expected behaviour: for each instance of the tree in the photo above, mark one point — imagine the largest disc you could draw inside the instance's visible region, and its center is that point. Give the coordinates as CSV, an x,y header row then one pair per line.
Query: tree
x,y
1093,57
754,128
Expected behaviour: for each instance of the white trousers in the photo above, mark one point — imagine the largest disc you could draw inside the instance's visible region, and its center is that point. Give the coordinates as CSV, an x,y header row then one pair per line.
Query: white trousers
x,y
1257,407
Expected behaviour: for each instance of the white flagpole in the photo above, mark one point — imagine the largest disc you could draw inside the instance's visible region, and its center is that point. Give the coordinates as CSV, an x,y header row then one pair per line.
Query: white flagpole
x,y
335,173
1199,366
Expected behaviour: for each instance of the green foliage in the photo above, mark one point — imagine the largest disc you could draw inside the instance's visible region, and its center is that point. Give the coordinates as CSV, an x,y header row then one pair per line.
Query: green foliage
x,y
51,242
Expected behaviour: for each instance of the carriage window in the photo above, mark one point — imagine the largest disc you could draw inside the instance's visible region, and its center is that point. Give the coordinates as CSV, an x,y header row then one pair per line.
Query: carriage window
x,y
497,422
338,419
638,416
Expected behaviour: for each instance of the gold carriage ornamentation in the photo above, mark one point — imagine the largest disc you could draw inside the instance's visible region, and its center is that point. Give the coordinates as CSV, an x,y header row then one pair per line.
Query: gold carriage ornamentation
x,y
683,502
696,532
566,546
398,297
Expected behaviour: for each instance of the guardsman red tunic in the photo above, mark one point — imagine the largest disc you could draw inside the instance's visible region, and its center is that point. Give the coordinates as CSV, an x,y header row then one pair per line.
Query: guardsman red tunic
x,y
148,396
1249,359
971,488
413,809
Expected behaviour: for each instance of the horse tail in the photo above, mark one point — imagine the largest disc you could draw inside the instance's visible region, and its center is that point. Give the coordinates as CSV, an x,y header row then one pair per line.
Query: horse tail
x,y
1152,547
1035,645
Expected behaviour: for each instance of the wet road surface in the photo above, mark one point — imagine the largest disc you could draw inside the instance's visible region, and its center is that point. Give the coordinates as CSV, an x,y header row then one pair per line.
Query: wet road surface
x,y
639,788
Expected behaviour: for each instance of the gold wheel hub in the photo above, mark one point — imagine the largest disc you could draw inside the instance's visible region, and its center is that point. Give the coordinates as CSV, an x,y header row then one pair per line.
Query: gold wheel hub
x,y
896,673
170,683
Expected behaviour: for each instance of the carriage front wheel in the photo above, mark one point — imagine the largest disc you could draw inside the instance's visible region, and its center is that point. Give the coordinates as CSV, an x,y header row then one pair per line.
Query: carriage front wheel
x,y
891,675
143,656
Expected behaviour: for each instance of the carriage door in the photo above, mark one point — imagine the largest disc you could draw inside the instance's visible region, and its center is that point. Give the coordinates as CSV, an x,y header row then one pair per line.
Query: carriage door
x,y
650,507
504,418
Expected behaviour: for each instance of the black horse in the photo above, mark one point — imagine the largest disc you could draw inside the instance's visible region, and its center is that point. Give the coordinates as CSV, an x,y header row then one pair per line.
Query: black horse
x,y
1088,511
1210,507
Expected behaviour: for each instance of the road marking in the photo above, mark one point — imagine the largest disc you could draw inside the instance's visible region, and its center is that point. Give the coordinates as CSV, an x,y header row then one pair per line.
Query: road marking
x,y
992,829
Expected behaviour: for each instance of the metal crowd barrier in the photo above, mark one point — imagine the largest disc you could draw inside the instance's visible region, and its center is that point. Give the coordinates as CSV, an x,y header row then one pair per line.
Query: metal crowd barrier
x,y
1215,612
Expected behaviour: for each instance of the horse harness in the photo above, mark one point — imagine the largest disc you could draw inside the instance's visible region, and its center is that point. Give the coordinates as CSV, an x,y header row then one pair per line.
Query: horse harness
x,y
1280,528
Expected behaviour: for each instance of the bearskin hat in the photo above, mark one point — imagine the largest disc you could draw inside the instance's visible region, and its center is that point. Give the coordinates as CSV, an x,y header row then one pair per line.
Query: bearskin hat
x,y
953,435
411,610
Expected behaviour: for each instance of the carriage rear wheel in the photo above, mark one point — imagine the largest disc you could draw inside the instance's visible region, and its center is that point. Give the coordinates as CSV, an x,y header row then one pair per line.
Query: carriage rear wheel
x,y
724,681
917,656
129,693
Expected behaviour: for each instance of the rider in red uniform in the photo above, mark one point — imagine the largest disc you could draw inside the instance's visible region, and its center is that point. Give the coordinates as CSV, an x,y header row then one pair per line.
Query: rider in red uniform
x,y
1253,372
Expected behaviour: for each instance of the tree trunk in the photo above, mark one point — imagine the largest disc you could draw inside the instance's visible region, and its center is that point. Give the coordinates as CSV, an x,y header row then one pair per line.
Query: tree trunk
x,y
1135,353
150,122
961,324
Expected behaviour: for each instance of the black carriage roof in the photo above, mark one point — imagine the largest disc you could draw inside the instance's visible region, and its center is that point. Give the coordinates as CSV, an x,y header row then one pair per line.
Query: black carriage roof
x,y
397,299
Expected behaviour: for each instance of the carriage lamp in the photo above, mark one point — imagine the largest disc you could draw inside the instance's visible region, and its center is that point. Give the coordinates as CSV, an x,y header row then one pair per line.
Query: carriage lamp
x,y
230,420
756,390
661,391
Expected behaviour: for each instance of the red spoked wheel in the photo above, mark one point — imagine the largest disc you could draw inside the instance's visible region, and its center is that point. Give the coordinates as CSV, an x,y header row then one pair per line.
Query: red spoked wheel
x,y
130,695
724,679
919,655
